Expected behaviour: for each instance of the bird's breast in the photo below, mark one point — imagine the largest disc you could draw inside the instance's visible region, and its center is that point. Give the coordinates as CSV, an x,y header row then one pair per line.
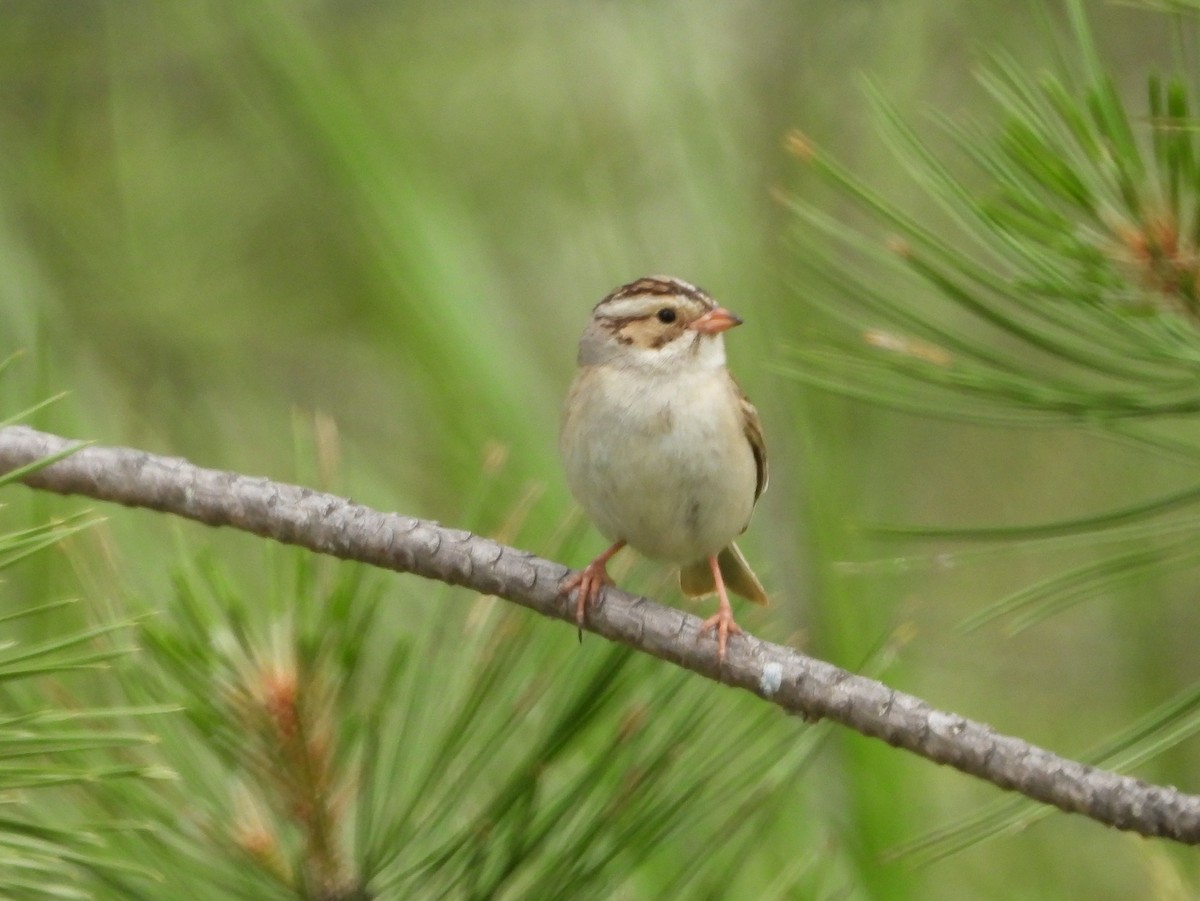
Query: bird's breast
x,y
662,463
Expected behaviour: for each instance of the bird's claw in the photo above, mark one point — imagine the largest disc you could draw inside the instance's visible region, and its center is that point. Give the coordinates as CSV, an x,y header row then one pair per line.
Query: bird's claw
x,y
722,622
589,580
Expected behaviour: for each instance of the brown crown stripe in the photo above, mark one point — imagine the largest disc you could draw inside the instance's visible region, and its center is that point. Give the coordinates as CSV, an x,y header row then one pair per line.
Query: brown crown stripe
x,y
659,287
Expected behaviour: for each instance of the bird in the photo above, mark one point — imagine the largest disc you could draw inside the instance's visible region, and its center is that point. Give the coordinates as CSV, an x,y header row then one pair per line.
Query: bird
x,y
661,447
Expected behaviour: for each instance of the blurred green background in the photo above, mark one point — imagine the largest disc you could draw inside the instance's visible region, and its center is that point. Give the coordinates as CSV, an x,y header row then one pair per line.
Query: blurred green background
x,y
221,223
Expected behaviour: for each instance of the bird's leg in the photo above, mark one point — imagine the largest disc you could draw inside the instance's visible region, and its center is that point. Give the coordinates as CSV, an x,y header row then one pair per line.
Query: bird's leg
x,y
589,581
722,620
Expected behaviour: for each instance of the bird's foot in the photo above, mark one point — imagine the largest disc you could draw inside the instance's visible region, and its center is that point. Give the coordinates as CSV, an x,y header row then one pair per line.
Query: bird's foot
x,y
722,622
589,580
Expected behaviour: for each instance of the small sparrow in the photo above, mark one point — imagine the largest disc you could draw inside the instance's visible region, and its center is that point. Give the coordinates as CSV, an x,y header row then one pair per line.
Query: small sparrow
x,y
660,445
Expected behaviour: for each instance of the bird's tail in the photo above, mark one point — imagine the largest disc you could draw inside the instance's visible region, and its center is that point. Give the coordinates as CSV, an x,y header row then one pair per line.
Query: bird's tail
x,y
696,579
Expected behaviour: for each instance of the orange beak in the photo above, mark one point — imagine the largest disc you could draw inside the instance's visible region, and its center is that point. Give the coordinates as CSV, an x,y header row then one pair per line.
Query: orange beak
x,y
715,321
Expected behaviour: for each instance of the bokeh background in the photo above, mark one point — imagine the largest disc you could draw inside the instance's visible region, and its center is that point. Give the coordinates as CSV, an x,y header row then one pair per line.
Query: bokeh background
x,y
236,232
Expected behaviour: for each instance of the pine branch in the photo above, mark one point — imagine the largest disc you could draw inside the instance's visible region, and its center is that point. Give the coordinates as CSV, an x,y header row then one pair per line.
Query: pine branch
x,y
797,683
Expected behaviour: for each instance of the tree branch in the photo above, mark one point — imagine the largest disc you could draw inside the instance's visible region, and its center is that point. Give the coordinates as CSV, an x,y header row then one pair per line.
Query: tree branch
x,y
799,684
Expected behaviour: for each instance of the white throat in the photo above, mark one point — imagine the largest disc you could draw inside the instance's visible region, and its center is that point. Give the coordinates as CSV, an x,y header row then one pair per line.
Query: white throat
x,y
690,352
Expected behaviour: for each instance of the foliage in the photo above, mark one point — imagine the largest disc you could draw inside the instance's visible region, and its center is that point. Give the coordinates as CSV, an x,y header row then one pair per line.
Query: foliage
x,y
476,755
1058,288
51,742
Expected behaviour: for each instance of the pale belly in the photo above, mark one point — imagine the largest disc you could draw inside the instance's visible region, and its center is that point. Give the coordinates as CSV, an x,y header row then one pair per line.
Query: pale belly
x,y
666,469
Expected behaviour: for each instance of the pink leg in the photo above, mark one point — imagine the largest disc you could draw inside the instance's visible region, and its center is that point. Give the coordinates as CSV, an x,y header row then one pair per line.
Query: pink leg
x,y
589,581
722,620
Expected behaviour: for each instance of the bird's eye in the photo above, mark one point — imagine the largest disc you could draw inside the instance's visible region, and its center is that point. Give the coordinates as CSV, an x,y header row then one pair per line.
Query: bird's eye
x,y
666,315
